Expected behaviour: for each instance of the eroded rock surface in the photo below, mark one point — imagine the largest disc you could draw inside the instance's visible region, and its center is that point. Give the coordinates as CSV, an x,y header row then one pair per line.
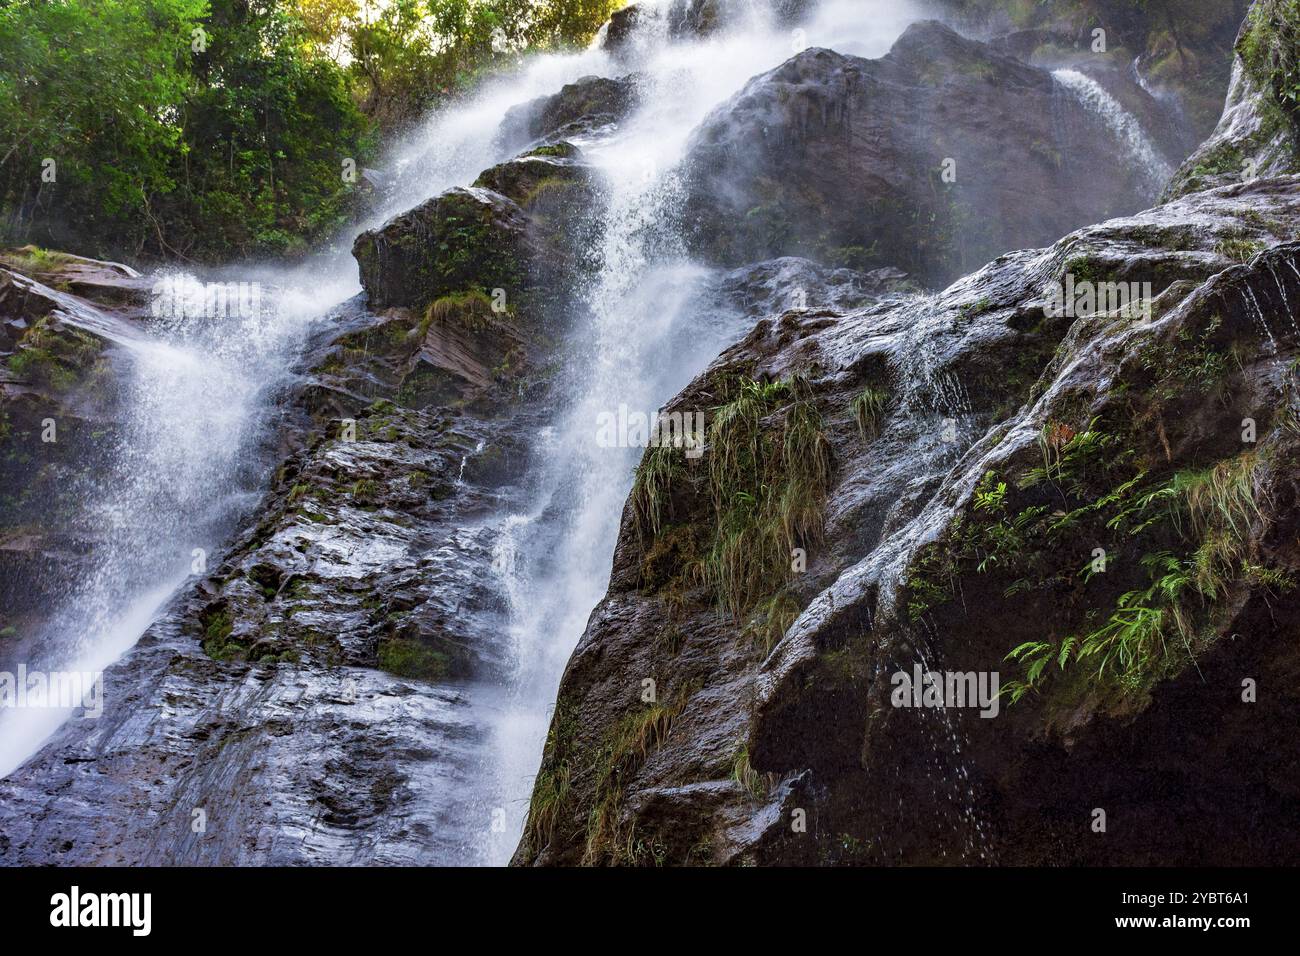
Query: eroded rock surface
x,y
1002,443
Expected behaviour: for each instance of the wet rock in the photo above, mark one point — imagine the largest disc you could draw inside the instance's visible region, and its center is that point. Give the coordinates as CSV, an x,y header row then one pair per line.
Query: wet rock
x,y
842,159
1257,135
631,29
1181,58
791,282
59,417
580,108
332,665
790,693
465,238
364,555
198,762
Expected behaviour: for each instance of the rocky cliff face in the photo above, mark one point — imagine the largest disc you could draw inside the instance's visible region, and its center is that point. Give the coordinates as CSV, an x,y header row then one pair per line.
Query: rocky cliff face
x,y
1096,503
893,478
1256,136
307,701
903,160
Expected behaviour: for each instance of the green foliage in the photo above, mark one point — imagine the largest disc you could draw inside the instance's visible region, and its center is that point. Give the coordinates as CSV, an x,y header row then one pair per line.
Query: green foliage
x,y
410,56
163,149
1270,50
217,628
621,754
551,788
772,618
470,310
769,469
1238,250
1153,630
217,129
869,410
743,772
652,488
768,488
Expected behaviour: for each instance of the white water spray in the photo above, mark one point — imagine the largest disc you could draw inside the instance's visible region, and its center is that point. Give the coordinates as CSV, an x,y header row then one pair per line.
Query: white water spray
x,y
649,335
198,400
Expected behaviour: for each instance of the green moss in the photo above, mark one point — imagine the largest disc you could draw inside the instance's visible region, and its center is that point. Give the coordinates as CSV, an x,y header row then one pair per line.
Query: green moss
x,y
556,150
409,658
1270,50
217,627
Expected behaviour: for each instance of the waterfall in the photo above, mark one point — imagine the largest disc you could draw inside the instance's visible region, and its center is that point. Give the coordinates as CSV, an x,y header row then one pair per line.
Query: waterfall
x,y
649,334
1124,126
198,402
199,397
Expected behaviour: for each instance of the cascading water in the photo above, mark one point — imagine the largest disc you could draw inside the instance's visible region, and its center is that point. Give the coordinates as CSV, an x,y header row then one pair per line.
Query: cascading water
x,y
198,400
201,394
197,396
650,332
1122,124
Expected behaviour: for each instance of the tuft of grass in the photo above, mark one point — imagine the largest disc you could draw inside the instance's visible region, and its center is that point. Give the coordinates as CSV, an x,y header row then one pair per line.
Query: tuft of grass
x,y
869,410
743,772
769,471
652,488
768,487
551,788
471,310
1238,250
364,490
773,618
623,753
32,259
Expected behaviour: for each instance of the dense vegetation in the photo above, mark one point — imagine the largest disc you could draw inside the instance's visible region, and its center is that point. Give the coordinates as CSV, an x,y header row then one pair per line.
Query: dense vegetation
x,y
214,129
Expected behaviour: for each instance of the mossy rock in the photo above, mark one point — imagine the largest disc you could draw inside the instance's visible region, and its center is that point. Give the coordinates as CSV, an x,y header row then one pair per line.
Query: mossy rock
x,y
465,238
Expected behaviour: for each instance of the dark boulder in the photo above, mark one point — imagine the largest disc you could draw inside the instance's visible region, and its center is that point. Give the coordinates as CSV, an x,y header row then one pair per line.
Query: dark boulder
x,y
464,238
581,107
843,160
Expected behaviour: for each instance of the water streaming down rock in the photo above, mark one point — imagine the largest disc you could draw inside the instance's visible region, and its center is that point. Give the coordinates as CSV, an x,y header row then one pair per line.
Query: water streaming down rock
x,y
199,399
198,396
653,326
1122,124
647,320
